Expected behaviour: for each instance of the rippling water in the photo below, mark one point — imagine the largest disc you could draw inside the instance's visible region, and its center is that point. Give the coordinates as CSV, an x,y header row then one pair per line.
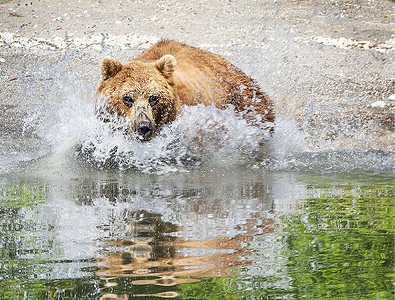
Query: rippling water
x,y
210,208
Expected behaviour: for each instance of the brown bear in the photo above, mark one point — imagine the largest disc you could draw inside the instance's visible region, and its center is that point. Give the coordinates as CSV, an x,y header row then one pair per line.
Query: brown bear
x,y
150,90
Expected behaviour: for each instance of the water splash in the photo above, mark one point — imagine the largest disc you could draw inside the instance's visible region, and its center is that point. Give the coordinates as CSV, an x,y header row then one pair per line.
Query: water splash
x,y
65,122
200,134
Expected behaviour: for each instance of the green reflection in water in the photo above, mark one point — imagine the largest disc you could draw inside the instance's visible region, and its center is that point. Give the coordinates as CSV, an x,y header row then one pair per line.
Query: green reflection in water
x,y
336,244
22,195
15,271
342,246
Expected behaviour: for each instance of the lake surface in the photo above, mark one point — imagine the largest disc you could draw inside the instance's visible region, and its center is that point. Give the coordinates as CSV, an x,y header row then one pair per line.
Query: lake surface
x,y
205,234
210,209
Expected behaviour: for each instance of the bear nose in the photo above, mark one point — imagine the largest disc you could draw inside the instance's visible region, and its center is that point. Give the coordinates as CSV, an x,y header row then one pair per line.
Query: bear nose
x,y
144,129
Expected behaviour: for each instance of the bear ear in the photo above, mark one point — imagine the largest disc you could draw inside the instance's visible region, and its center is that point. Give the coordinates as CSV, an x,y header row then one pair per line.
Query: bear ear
x,y
166,65
110,67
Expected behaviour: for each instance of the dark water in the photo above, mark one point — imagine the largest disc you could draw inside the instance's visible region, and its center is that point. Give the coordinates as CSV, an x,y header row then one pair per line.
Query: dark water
x,y
204,234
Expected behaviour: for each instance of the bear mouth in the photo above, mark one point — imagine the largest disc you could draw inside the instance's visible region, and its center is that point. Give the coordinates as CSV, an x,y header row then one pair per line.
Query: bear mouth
x,y
145,130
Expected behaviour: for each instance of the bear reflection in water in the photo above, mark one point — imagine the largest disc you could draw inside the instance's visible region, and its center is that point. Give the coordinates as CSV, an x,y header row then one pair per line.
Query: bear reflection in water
x,y
164,232
150,90
152,251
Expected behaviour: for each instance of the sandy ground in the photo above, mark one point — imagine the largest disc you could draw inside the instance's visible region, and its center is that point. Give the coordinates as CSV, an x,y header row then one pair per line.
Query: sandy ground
x,y
329,65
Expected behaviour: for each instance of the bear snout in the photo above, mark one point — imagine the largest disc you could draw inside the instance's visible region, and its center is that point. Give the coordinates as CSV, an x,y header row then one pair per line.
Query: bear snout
x,y
142,121
145,130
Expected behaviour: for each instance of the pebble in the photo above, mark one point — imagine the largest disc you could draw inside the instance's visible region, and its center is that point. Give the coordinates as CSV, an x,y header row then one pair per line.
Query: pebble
x,y
378,104
392,97
2,60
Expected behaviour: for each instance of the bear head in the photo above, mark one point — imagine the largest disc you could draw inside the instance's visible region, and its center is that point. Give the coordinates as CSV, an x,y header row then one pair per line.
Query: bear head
x,y
142,92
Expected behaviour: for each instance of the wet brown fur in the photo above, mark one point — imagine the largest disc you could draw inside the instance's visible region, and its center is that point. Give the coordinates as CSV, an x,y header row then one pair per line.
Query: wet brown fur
x,y
196,77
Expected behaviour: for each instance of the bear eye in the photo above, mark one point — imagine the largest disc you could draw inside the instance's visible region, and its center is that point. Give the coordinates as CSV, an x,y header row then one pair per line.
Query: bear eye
x,y
153,100
128,100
